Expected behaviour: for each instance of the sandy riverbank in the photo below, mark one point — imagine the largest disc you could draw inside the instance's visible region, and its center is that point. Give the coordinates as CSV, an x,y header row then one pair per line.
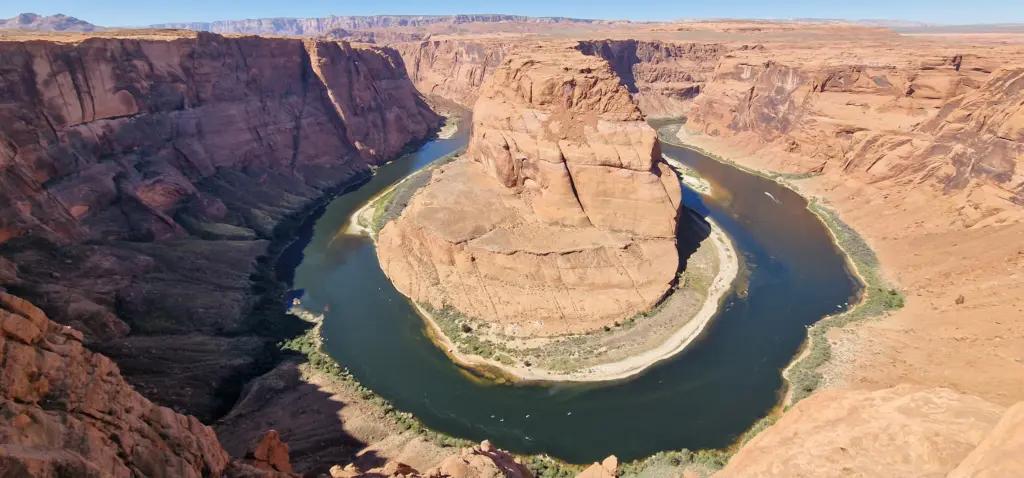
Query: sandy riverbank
x,y
354,225
913,231
727,270
677,342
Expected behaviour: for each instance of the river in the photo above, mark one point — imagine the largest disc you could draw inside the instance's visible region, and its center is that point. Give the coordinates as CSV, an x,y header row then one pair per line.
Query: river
x,y
791,276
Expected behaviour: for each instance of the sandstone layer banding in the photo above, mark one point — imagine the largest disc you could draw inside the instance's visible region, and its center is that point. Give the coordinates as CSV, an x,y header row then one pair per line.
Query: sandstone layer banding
x,y
561,217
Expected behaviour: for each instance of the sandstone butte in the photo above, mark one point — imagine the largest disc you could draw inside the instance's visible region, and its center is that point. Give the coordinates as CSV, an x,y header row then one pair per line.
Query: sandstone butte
x,y
561,216
176,156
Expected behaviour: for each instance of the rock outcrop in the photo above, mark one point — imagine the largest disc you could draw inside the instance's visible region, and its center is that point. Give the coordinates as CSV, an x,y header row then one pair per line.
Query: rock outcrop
x,y
140,180
67,412
999,454
561,217
483,461
272,454
609,468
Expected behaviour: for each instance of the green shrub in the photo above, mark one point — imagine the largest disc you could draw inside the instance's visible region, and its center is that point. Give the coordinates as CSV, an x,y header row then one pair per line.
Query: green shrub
x,y
391,204
544,466
878,299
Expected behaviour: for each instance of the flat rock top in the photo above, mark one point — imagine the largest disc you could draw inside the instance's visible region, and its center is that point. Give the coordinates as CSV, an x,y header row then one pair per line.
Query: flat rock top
x,y
78,37
463,204
902,431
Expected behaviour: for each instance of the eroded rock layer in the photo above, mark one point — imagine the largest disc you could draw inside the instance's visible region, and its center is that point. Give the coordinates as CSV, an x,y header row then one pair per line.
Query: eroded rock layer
x,y
561,217
941,120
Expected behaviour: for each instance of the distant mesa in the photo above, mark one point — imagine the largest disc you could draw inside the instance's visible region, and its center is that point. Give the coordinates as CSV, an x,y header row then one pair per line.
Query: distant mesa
x,y
374,36
52,23
324,25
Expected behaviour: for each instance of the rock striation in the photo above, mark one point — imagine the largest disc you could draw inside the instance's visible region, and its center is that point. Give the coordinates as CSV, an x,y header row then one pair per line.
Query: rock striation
x,y
944,120
663,77
142,178
560,218
110,137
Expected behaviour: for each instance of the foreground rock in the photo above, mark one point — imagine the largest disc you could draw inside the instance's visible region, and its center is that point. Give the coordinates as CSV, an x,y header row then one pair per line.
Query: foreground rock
x,y
561,217
483,461
66,408
999,454
899,432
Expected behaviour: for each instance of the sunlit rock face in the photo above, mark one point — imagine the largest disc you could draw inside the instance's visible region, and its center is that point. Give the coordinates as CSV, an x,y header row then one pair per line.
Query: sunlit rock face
x,y
560,217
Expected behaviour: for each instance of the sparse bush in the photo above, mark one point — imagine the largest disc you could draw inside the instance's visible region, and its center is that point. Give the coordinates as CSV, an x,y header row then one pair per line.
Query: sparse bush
x,y
544,466
391,204
878,298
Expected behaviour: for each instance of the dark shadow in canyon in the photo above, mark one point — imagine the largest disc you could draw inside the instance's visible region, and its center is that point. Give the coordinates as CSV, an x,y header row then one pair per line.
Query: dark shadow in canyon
x,y
306,415
620,54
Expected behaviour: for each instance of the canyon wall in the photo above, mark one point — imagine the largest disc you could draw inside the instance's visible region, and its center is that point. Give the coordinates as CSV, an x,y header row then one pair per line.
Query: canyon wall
x,y
561,216
943,119
454,69
140,181
664,77
67,411
110,136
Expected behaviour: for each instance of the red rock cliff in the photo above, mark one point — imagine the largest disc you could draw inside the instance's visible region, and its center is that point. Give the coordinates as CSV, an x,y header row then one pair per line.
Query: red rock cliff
x,y
453,69
108,137
179,156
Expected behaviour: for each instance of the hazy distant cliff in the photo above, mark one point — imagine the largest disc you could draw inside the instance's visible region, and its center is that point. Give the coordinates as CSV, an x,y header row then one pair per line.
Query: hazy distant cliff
x,y
58,23
317,26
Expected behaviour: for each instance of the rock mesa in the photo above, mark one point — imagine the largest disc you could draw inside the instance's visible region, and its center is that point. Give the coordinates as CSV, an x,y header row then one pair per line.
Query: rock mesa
x,y
560,218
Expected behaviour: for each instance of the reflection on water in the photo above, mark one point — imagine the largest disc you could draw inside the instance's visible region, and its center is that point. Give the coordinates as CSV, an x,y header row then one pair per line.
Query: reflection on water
x,y
702,398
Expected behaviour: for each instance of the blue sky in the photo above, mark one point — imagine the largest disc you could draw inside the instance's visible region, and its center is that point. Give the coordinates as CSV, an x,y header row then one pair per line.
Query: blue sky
x,y
144,12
